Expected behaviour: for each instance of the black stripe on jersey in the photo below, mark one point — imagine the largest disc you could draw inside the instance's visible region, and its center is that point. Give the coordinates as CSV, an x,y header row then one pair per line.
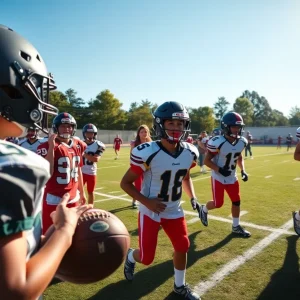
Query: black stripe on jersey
x,y
211,147
176,154
136,156
136,161
222,144
148,161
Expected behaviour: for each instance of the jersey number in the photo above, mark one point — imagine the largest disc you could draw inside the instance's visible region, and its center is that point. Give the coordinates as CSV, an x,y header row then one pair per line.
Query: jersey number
x,y
64,167
177,185
228,160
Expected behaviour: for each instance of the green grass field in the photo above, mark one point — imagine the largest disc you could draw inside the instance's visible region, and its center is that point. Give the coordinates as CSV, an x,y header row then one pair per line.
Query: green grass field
x,y
220,265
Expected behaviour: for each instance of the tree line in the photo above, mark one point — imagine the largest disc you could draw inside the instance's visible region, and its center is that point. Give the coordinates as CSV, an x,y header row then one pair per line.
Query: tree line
x,y
105,111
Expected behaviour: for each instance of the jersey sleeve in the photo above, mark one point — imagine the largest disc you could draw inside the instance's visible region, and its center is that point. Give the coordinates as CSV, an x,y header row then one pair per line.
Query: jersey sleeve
x,y
213,145
19,186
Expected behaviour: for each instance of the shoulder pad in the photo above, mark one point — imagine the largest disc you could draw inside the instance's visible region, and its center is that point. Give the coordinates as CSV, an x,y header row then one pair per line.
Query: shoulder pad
x,y
143,151
191,147
100,145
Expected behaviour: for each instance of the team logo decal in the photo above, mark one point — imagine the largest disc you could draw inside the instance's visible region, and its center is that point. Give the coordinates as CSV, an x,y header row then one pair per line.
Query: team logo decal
x,y
99,226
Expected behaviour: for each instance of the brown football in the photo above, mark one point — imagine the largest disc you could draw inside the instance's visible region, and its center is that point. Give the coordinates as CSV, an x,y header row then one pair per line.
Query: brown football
x,y
99,247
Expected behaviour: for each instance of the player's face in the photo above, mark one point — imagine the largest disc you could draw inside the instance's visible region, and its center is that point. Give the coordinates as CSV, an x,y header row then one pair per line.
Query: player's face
x,y
143,134
174,128
89,135
65,130
235,130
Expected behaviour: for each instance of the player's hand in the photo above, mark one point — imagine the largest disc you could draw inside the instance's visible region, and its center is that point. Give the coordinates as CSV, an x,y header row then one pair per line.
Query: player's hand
x,y
244,176
195,204
156,205
65,217
51,139
82,199
224,172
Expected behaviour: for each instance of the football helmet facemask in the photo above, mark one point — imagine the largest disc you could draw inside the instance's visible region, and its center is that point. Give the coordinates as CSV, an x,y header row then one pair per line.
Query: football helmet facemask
x,y
232,119
24,82
89,128
64,118
171,111
32,132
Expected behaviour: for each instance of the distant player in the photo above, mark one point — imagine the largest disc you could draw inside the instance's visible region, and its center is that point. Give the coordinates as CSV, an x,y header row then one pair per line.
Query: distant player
x,y
117,145
91,157
224,153
32,140
166,167
289,141
64,153
202,143
248,147
279,139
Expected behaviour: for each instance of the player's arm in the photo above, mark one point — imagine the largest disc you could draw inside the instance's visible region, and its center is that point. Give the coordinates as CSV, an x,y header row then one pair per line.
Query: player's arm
x,y
127,185
50,154
92,158
297,152
201,145
208,161
241,162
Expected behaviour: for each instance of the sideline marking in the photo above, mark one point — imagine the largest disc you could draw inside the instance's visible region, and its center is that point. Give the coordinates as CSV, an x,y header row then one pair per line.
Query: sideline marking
x,y
204,286
269,176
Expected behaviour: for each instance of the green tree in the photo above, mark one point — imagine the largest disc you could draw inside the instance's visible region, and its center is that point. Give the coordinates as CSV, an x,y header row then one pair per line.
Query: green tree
x,y
202,119
244,107
106,112
220,107
294,116
75,102
278,119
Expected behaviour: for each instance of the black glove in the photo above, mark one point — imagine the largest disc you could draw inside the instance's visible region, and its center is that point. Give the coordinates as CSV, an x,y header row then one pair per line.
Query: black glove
x,y
224,172
195,204
244,176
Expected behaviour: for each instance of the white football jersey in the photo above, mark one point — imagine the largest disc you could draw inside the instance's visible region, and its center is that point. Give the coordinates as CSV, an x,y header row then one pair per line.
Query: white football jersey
x,y
95,148
31,146
22,179
163,175
226,155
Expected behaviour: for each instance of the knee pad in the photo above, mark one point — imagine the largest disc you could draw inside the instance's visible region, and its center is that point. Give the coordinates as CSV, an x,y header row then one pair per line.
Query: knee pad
x,y
236,203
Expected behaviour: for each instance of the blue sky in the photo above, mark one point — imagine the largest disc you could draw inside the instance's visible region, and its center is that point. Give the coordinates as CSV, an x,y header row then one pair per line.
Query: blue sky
x,y
190,51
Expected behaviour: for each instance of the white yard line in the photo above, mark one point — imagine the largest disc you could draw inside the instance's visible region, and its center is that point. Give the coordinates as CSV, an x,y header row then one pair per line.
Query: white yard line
x,y
269,176
100,188
203,287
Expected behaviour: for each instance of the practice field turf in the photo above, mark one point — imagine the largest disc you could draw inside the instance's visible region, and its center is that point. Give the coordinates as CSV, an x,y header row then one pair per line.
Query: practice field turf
x,y
220,265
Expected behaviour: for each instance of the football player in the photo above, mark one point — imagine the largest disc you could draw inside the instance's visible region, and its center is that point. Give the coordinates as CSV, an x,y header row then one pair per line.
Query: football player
x,y
24,102
248,147
296,214
289,140
64,153
117,145
91,157
32,140
142,136
166,166
224,153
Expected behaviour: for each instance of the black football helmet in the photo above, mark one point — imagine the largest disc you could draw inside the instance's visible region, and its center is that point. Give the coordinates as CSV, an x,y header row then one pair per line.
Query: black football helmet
x,y
24,82
64,118
89,128
171,111
232,119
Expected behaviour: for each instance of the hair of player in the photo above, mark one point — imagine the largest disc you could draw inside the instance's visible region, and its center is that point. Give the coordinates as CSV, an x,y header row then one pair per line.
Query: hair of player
x,y
137,138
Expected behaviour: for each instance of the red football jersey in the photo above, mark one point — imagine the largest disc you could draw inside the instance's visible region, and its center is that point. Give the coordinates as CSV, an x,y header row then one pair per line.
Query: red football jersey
x,y
118,141
67,161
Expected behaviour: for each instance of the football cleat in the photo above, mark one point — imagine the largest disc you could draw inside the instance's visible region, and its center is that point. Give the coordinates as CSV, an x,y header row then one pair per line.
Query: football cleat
x,y
203,216
239,230
129,267
296,223
186,292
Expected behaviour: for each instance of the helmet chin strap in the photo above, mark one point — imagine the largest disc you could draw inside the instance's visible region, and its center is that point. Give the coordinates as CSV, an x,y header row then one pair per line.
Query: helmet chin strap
x,y
171,139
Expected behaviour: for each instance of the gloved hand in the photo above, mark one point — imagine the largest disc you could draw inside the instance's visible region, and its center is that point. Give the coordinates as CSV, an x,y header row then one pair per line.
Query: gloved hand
x,y
244,176
224,172
195,204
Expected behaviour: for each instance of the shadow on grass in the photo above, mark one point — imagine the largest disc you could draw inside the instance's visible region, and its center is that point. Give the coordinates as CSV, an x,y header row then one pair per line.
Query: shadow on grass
x,y
284,283
147,280
129,207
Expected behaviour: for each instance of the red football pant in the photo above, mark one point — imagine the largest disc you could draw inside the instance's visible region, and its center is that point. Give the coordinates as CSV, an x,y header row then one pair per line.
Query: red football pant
x,y
47,210
218,188
176,230
117,148
90,181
